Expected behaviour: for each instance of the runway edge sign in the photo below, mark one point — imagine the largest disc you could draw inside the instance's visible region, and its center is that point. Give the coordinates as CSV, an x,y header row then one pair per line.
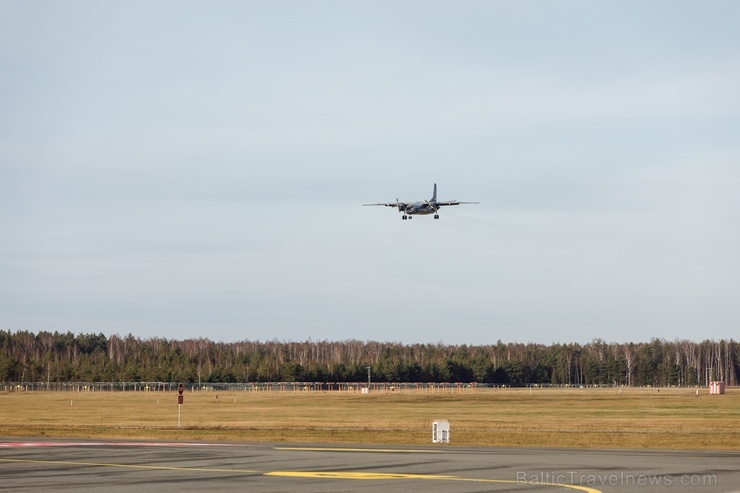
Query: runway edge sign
x,y
179,403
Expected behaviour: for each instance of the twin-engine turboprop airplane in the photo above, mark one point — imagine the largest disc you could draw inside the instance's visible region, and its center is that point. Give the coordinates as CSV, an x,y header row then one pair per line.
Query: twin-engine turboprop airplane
x,y
409,209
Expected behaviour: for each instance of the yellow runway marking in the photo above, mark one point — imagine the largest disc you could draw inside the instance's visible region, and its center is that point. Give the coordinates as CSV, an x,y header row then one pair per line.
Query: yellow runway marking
x,y
303,474
339,449
355,475
377,476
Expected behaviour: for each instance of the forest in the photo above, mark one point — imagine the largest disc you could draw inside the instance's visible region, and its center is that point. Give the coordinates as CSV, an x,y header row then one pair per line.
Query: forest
x,y
68,357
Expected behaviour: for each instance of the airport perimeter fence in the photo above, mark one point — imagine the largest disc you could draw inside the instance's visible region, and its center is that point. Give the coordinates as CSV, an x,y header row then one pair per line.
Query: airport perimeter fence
x,y
346,387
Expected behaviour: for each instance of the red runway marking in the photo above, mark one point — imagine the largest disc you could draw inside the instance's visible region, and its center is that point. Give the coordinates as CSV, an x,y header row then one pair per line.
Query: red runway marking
x,y
113,444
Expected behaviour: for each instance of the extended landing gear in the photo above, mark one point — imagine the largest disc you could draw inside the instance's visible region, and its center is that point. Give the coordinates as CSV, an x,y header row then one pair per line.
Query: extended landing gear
x,y
404,217
436,216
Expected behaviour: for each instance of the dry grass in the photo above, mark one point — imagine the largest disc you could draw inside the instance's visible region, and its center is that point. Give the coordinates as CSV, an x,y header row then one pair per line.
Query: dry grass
x,y
595,418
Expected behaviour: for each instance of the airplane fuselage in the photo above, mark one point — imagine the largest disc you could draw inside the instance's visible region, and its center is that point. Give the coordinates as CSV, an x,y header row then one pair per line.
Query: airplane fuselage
x,y
420,208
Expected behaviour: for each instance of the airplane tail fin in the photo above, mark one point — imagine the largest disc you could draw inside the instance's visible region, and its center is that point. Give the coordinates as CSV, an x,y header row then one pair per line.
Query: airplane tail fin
x,y
434,196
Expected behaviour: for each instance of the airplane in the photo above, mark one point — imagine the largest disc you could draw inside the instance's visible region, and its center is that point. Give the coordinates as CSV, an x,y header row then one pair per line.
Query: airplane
x,y
410,209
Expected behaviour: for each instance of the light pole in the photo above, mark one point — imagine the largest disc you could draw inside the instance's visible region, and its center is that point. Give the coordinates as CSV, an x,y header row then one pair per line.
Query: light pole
x,y
368,377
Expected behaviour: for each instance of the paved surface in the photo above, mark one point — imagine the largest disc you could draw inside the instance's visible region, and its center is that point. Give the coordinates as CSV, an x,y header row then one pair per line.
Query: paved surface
x,y
299,468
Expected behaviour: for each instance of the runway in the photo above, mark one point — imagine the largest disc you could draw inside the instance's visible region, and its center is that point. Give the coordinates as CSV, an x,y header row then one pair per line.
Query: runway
x,y
162,467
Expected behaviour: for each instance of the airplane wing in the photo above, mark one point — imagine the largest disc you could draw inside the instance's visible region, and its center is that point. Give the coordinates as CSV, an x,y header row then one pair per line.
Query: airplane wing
x,y
390,204
454,202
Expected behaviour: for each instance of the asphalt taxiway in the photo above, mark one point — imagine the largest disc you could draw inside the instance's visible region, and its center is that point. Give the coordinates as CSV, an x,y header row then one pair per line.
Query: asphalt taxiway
x,y
163,467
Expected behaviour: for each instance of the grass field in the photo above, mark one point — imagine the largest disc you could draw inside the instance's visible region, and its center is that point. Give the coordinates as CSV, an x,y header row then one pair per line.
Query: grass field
x,y
592,418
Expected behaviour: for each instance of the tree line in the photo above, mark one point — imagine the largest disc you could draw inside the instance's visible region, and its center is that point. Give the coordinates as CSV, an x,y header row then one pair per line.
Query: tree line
x,y
68,357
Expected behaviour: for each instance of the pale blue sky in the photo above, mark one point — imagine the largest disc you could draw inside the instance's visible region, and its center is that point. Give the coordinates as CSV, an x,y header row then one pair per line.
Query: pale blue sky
x,y
196,169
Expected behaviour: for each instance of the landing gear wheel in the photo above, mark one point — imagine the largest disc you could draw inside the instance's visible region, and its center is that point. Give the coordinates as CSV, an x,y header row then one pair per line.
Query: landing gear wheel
x,y
436,216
